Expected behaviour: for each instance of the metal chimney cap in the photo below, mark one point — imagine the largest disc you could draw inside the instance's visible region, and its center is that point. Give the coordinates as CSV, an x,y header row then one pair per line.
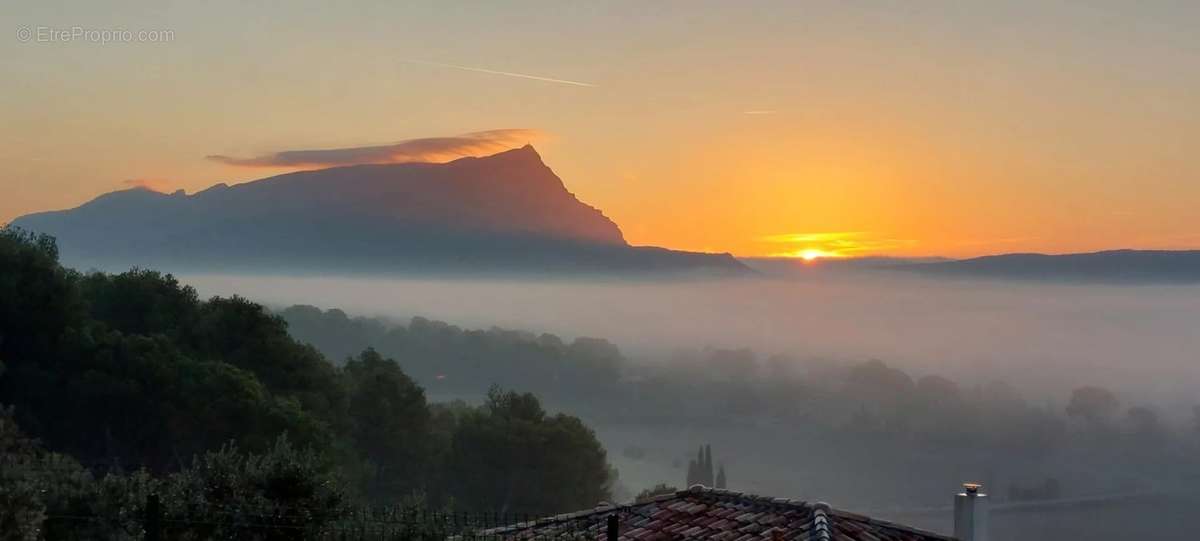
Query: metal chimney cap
x,y
972,488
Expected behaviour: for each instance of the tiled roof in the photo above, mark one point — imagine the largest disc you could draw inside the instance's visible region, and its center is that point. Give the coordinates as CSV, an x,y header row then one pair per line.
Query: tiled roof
x,y
721,515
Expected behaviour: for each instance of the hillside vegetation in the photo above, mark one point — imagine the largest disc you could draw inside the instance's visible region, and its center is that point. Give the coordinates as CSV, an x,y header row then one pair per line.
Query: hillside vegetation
x,y
107,374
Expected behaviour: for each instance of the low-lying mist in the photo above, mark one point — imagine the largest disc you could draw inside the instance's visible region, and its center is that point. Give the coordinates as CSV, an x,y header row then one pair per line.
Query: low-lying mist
x,y
1057,395
1140,341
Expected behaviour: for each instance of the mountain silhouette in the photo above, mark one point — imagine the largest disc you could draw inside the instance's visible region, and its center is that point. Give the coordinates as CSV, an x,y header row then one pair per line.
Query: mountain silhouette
x,y
1112,266
502,213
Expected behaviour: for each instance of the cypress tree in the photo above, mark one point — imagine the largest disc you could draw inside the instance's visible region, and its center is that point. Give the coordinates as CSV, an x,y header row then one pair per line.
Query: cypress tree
x,y
707,468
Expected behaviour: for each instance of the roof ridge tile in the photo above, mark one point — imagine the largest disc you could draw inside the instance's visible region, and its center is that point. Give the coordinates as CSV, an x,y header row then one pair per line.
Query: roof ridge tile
x,y
822,522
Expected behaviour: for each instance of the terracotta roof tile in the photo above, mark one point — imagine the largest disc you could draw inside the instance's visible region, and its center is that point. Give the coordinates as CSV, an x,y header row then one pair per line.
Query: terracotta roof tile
x,y
720,515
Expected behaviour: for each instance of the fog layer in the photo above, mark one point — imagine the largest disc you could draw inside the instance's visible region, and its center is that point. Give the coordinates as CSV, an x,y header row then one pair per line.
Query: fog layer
x,y
807,415
1044,339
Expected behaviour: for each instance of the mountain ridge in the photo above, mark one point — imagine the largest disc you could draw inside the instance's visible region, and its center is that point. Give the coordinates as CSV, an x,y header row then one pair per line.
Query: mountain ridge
x,y
1124,265
1116,266
506,212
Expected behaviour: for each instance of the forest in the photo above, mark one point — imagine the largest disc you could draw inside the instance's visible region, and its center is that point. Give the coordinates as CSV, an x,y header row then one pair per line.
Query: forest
x,y
115,386
919,434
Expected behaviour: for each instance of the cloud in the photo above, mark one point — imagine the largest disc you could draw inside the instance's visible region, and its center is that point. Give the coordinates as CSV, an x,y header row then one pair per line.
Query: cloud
x,y
153,184
428,149
760,112
504,73
835,244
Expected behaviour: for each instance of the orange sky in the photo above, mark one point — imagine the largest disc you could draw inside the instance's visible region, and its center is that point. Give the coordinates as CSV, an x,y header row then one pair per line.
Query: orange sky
x,y
954,128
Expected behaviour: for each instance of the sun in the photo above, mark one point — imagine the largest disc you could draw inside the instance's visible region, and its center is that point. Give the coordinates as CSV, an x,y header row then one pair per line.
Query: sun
x,y
813,254
809,254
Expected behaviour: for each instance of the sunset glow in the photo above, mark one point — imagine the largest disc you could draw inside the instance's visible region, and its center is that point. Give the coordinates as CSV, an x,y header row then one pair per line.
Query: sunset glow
x,y
658,118
812,246
810,254
516,258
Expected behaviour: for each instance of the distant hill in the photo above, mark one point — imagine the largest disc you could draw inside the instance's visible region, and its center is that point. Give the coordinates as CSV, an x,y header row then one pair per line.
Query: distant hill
x,y
506,213
793,266
1113,266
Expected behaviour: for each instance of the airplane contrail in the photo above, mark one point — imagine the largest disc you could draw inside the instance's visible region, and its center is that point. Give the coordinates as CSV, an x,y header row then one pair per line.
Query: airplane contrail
x,y
505,73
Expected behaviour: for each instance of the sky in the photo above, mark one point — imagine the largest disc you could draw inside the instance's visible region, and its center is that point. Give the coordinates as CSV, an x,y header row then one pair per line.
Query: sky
x,y
757,128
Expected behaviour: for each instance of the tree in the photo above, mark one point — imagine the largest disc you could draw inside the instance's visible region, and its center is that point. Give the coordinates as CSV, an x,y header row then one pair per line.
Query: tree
x,y
128,366
940,415
390,424
708,465
134,369
700,470
509,455
140,301
444,357
1095,406
886,392
246,335
39,300
938,393
1144,424
280,494
39,488
22,510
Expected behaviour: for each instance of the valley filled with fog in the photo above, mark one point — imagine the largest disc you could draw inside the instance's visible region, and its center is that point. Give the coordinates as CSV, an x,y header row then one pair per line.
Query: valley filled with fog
x,y
1045,339
875,391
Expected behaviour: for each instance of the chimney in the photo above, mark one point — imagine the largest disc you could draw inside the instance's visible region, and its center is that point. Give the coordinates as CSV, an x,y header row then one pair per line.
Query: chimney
x,y
971,514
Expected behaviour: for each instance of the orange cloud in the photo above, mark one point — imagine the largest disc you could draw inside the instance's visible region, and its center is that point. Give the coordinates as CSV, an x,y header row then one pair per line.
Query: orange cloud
x,y
427,149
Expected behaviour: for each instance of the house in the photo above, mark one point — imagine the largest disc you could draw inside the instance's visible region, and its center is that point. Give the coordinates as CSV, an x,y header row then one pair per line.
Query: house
x,y
721,515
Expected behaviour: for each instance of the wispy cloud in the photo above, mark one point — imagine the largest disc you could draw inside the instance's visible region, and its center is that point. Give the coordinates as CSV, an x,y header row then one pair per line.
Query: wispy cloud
x,y
427,149
504,73
760,112
834,244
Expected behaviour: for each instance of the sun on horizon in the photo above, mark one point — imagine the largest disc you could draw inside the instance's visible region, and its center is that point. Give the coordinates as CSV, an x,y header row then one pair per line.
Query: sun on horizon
x,y
809,254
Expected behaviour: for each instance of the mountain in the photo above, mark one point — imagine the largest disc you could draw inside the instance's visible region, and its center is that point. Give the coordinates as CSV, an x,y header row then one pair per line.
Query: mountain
x,y
505,213
1113,266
